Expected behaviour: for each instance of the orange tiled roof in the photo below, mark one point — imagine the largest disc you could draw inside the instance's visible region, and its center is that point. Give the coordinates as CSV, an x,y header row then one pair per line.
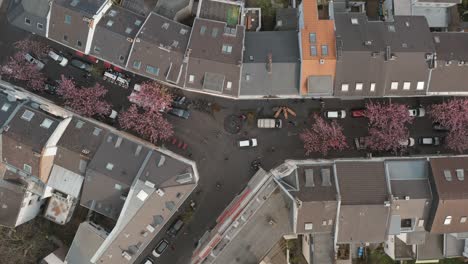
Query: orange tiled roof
x,y
325,35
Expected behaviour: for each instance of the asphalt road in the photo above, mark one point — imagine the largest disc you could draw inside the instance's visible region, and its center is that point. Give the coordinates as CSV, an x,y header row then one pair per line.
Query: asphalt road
x,y
225,168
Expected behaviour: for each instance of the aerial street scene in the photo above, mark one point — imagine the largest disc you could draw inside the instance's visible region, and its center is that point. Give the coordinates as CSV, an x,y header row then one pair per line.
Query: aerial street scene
x,y
233,131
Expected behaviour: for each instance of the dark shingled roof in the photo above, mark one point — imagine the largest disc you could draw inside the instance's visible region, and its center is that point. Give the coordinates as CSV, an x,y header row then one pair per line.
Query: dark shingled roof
x,y
362,182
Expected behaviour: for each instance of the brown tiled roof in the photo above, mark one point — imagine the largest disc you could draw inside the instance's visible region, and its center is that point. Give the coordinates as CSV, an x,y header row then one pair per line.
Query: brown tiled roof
x,y
362,182
325,35
454,189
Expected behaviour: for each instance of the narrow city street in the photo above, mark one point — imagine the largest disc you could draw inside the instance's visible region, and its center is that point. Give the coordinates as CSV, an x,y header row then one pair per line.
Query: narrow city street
x,y
225,168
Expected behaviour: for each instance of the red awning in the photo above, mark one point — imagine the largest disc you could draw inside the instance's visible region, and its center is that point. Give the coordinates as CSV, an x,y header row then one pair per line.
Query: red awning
x,y
92,59
117,69
79,54
107,65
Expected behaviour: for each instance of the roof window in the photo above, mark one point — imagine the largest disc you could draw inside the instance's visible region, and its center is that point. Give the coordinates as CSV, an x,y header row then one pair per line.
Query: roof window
x,y
391,28
46,123
74,2
109,166
97,131
202,30
5,107
448,220
354,21
165,25
137,22
448,175
183,31
110,23
112,13
27,115
128,30
460,174
308,226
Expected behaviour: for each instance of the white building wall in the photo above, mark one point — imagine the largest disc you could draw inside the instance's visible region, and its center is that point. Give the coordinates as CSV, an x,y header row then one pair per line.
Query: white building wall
x,y
389,246
30,209
306,247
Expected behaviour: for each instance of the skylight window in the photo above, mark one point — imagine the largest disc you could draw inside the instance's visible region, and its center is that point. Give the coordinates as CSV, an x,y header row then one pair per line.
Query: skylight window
x,y
183,31
46,123
96,131
391,28
128,30
112,13
109,166
5,107
460,174
27,115
137,22
165,25
110,23
354,21
448,175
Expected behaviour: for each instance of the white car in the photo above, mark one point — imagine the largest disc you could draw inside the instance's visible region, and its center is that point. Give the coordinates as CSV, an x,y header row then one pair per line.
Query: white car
x,y
417,112
58,58
407,142
248,143
335,114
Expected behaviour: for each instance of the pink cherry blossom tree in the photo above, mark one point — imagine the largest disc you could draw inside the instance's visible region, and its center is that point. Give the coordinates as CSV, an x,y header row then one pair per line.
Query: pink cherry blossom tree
x,y
145,116
84,101
453,115
18,68
152,96
36,48
387,126
150,124
323,137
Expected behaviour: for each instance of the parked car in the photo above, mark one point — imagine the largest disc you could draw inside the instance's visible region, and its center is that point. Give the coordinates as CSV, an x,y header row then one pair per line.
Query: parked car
x,y
39,64
407,142
148,261
81,65
175,228
248,143
160,248
417,112
439,127
335,114
269,123
58,58
430,141
180,113
358,113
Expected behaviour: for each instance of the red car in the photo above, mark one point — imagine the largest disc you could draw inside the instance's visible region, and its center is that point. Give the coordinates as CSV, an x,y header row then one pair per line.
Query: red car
x,y
358,113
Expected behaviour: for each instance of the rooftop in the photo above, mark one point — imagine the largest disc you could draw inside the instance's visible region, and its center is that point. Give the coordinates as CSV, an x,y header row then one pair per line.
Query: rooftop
x,y
31,127
406,34
451,45
87,240
11,198
111,173
362,182
59,208
281,76
220,11
449,176
409,178
89,7
82,137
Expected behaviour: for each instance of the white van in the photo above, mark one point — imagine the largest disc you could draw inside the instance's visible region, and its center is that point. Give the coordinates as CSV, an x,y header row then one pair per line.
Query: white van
x,y
58,58
248,143
269,123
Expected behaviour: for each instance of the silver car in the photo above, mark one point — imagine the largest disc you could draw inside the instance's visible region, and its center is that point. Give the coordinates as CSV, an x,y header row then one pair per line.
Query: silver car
x,y
39,64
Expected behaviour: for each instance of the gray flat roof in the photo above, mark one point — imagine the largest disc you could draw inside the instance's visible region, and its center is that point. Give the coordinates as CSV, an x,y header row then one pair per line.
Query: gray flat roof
x,y
85,243
258,236
11,198
279,78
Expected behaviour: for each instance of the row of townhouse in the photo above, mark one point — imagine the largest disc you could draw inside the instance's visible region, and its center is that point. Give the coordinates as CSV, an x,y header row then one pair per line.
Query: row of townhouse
x,y
53,161
415,207
331,53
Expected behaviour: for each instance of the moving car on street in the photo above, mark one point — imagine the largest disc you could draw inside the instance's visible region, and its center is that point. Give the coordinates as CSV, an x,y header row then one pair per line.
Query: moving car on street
x,y
160,248
248,143
39,64
269,123
58,58
81,65
335,114
430,141
417,112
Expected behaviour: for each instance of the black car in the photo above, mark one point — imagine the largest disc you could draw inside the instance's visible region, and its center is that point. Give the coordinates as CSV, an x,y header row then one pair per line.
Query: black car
x,y
175,228
87,67
430,141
